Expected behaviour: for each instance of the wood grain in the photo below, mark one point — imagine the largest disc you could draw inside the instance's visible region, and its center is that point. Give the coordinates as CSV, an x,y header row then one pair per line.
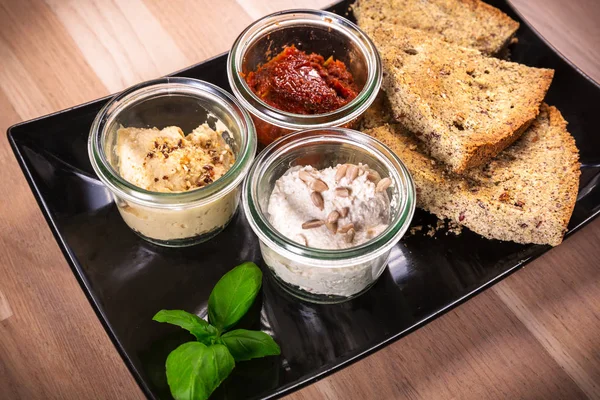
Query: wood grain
x,y
571,27
533,336
464,355
122,41
5,309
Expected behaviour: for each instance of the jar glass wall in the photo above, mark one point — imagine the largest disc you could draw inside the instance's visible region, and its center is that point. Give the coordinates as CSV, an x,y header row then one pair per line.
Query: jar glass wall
x,y
324,275
174,218
312,31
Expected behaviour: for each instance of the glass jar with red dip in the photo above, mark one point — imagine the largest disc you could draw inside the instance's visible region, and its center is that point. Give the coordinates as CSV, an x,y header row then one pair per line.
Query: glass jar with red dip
x,y
301,83
302,69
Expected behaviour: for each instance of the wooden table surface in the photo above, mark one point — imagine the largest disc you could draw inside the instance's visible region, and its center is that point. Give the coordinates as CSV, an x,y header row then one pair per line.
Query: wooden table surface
x,y
536,335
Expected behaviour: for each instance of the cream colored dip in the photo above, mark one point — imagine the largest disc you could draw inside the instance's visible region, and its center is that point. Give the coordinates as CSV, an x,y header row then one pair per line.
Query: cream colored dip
x,y
291,204
168,161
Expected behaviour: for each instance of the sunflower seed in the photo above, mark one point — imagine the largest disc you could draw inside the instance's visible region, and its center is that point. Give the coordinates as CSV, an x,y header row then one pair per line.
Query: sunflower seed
x,y
373,176
351,172
383,184
313,223
305,176
340,172
344,212
333,217
346,228
318,185
350,235
317,200
332,226
342,192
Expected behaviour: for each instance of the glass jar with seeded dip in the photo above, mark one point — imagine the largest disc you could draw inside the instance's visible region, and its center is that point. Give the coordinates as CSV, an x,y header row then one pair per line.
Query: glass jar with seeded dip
x,y
328,205
173,153
336,47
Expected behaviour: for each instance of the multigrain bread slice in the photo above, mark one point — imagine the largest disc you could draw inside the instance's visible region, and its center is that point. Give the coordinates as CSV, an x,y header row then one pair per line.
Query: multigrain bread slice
x,y
465,107
525,195
468,23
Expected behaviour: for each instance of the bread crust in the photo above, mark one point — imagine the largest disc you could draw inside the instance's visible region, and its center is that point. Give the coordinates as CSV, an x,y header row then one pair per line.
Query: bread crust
x,y
469,23
464,106
526,194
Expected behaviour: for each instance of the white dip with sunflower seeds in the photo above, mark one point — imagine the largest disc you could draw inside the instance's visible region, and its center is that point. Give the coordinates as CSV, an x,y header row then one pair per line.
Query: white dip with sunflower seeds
x,y
333,208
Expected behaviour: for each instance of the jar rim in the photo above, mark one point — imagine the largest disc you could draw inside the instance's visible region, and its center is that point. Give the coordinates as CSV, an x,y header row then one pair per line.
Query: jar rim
x,y
171,86
290,19
334,257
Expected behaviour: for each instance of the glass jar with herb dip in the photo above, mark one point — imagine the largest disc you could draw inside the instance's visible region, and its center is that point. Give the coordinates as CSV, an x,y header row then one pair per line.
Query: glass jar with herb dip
x,y
173,153
327,206
302,69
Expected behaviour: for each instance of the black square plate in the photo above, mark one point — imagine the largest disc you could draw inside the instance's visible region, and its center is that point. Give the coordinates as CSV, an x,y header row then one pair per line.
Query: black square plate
x,y
128,280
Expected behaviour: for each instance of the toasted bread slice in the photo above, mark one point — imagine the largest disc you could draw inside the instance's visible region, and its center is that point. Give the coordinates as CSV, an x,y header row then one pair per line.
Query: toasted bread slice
x,y
525,195
465,107
468,23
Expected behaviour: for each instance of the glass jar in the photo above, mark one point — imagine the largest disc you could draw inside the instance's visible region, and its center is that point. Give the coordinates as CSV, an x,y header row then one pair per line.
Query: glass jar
x,y
179,218
323,275
312,31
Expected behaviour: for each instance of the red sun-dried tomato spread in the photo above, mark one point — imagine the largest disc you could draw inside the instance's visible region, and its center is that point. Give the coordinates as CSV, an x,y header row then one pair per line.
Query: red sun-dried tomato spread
x,y
301,83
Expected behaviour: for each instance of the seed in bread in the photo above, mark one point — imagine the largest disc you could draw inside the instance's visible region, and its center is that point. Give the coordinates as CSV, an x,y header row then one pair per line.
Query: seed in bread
x,y
525,195
465,107
468,23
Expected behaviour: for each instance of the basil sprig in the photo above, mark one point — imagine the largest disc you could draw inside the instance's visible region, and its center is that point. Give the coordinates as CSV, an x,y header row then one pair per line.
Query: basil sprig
x,y
196,369
245,345
198,327
233,295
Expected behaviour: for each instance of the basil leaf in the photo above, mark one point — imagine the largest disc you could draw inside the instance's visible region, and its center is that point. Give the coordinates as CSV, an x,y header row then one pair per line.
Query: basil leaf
x,y
194,370
245,345
233,295
192,323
